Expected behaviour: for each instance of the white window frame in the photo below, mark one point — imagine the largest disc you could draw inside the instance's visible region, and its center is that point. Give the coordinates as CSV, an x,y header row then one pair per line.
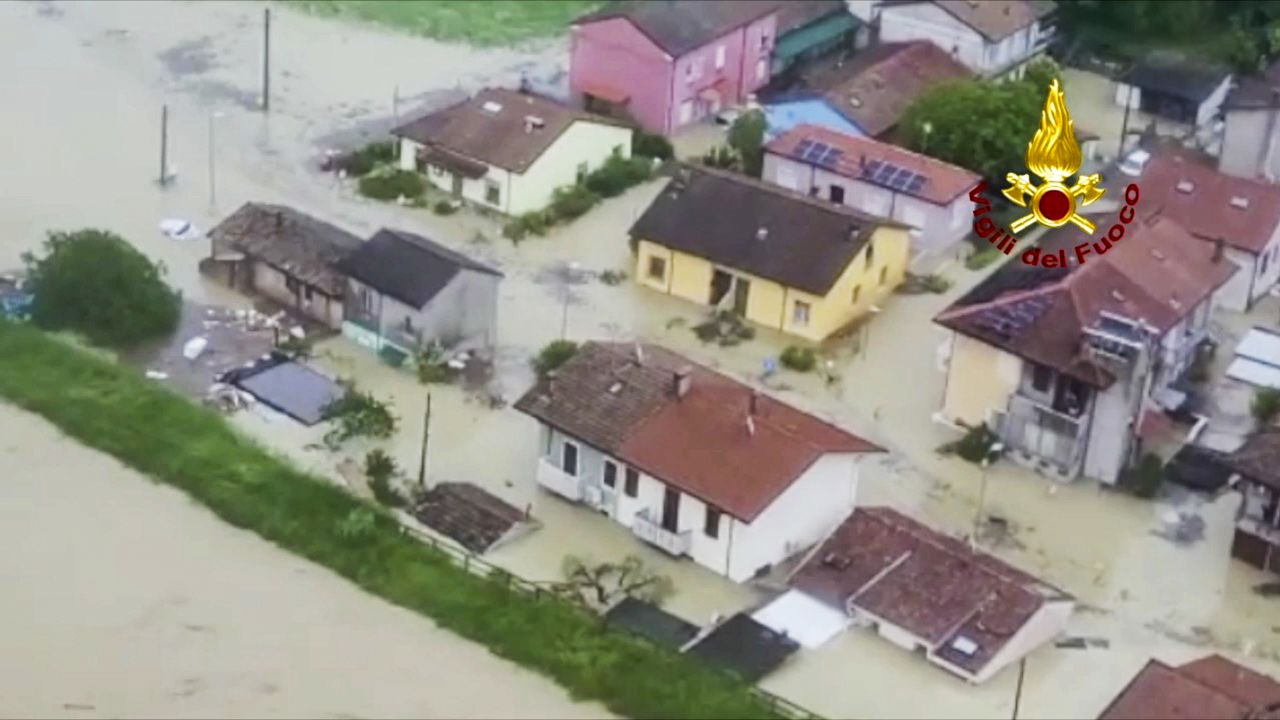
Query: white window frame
x,y
720,56
801,313
491,185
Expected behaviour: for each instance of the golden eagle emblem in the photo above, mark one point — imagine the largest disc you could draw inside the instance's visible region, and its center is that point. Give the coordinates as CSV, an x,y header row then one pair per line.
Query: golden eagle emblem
x,y
1053,155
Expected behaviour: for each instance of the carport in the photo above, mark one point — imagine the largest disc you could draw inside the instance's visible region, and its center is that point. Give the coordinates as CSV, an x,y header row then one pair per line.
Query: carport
x,y
799,616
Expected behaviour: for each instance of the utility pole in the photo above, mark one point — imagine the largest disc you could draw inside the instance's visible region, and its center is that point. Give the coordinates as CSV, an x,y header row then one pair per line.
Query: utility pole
x,y
395,104
1124,126
266,59
164,145
1017,695
426,433
992,453
213,197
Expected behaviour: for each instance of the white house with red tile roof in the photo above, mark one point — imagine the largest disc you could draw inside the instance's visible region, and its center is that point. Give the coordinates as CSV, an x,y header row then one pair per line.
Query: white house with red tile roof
x,y
693,462
929,195
965,611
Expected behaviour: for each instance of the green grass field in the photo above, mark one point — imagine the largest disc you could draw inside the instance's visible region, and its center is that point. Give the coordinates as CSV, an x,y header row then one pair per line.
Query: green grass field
x,y
477,22
113,409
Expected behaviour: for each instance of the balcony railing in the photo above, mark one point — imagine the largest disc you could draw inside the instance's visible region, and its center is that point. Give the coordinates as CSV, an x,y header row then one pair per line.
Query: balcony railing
x,y
558,481
1056,438
672,543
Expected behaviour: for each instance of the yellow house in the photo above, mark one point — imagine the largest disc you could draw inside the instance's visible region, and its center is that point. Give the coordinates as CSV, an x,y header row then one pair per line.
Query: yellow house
x,y
778,258
509,150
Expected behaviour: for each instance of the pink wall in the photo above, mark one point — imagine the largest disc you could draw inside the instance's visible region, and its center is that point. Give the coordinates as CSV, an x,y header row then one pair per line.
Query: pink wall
x,y
613,52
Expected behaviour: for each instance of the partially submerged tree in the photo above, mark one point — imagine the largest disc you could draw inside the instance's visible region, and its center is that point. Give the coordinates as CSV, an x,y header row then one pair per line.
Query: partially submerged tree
x,y
95,283
1265,406
600,585
358,414
746,136
981,125
553,355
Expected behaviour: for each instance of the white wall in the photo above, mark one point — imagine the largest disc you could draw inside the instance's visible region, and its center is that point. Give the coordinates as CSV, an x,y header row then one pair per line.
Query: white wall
x,y
583,142
1245,140
1266,277
926,21
1048,622
1212,105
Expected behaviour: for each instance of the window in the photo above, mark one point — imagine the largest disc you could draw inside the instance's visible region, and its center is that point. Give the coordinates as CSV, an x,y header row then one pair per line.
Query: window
x,y
657,268
1041,376
437,171
871,253
719,57
491,192
764,42
582,172
291,285
1265,259
569,459
884,275
610,474
762,69
686,112
857,291
836,194
693,70
800,314
366,300
307,292
617,151
632,486
408,324
711,527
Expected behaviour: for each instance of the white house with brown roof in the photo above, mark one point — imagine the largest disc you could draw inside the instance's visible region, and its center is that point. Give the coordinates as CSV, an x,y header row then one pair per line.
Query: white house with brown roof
x,y
693,462
508,150
966,611
1243,213
928,195
994,38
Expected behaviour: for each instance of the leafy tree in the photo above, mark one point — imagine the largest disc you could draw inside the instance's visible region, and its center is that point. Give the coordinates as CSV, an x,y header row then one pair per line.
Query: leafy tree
x,y
380,468
553,355
358,414
977,124
600,585
1265,405
1040,73
94,282
746,136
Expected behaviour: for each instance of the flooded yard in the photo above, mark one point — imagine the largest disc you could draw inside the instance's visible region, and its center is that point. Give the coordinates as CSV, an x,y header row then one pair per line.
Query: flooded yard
x,y
1146,591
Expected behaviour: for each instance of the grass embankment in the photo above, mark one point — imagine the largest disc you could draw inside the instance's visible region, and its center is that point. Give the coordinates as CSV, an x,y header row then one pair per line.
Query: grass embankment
x,y
490,23
109,407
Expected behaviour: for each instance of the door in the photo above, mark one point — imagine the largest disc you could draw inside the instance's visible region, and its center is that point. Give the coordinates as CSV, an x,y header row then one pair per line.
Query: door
x,y
721,281
741,289
686,112
837,194
569,460
670,509
456,191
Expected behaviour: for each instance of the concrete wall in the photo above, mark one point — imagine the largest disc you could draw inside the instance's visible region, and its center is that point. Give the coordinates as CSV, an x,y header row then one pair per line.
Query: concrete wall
x,y
1049,622
1245,132
1211,106
1111,433
463,315
926,21
937,227
980,379
272,283
614,53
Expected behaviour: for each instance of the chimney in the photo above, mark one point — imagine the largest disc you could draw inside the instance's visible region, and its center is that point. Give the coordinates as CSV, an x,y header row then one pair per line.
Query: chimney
x,y
682,380
1218,249
639,354
551,382
762,233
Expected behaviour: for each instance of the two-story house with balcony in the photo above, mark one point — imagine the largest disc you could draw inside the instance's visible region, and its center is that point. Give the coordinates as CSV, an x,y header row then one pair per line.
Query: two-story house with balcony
x,y
1256,468
994,38
928,195
692,462
1071,365
1242,213
667,64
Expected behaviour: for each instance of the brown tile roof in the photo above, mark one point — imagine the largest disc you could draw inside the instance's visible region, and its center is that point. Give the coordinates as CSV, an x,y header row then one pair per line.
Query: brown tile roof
x,y
679,26
1259,91
877,85
1158,274
699,443
1211,688
467,514
491,127
718,216
993,19
944,182
1259,458
293,242
1205,208
935,587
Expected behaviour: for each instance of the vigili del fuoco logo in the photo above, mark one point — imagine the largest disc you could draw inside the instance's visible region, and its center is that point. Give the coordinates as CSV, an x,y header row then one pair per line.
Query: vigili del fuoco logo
x,y
1053,155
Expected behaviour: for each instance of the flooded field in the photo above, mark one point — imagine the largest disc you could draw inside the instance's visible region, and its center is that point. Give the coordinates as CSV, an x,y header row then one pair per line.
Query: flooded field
x,y
88,81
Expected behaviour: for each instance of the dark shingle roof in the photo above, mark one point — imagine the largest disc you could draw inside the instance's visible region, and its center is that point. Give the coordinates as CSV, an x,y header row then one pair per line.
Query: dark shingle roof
x,y
408,267
1259,458
678,26
467,514
491,127
1180,77
721,217
1261,91
295,243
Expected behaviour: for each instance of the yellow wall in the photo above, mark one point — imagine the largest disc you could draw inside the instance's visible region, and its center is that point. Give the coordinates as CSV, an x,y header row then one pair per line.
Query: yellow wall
x,y
772,305
980,379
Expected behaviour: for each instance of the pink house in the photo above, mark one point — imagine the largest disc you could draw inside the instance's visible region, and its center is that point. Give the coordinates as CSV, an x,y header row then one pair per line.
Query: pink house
x,y
667,63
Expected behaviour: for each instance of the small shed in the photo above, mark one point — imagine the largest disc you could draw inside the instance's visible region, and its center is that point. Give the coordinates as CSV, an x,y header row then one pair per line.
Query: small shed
x,y
744,646
1171,87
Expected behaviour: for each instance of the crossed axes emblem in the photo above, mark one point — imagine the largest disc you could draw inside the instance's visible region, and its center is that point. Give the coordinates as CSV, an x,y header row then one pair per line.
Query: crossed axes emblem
x,y
1056,194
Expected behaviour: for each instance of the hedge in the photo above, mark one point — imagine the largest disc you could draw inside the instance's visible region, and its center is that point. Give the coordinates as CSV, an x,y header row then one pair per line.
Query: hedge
x,y
113,409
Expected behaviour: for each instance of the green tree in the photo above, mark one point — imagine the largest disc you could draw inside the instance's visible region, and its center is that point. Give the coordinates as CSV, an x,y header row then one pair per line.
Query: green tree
x,y
1265,405
746,136
553,355
95,283
977,124
1040,73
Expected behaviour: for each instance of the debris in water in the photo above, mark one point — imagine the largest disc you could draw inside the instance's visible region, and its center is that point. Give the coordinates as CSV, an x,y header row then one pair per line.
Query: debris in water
x,y
195,347
157,375
1271,589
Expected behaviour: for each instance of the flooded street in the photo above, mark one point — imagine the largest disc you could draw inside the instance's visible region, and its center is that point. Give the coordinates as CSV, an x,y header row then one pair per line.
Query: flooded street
x,y
84,85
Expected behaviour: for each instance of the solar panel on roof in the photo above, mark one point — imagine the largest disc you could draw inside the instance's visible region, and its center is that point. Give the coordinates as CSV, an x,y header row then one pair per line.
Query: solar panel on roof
x,y
830,157
871,168
916,184
816,151
803,147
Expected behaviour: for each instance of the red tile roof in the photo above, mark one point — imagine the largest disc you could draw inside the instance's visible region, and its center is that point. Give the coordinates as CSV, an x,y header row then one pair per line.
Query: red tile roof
x,y
1158,274
700,443
935,587
1205,206
944,182
1211,688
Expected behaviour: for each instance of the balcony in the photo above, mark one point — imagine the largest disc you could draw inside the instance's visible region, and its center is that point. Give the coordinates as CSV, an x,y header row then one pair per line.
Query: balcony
x,y
675,544
558,481
1044,435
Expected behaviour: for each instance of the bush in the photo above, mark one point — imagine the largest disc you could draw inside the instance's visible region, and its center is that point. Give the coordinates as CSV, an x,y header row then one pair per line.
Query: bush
x,y
444,207
380,468
721,157
936,283
358,414
569,203
982,258
534,222
976,444
393,185
363,160
113,409
746,136
1265,405
1145,478
95,283
799,359
649,145
433,366
553,355
618,174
